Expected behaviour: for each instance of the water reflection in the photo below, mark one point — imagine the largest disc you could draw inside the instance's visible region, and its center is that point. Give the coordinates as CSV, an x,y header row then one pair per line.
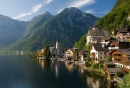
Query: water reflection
x,y
18,71
90,79
44,64
56,70
69,66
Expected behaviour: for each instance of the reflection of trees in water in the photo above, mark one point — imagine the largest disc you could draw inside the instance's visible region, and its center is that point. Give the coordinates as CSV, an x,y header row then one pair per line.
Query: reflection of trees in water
x,y
45,65
92,79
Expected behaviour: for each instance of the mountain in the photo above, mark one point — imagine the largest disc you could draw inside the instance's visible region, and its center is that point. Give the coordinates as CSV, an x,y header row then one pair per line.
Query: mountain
x,y
69,25
119,16
37,22
10,30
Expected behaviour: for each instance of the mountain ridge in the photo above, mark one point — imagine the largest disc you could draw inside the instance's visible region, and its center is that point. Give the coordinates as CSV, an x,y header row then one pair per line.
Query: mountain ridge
x,y
66,24
9,29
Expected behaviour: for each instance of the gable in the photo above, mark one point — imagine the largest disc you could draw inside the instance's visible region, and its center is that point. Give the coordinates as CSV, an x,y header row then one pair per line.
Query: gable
x,y
69,52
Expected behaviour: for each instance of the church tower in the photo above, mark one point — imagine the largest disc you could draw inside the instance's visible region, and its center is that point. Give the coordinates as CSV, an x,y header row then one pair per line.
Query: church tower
x,y
57,47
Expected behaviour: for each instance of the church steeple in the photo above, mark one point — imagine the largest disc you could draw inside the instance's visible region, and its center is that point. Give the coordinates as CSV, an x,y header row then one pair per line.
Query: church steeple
x,y
57,47
57,43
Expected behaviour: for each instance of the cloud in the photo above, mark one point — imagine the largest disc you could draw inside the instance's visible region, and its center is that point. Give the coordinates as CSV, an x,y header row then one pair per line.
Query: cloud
x,y
34,9
90,11
78,4
48,1
104,12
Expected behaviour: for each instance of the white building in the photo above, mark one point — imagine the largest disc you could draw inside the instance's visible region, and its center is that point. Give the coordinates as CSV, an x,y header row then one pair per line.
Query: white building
x,y
95,34
98,52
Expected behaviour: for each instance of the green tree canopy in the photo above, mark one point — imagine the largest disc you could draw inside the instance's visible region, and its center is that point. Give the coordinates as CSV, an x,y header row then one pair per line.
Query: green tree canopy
x,y
81,43
47,52
126,82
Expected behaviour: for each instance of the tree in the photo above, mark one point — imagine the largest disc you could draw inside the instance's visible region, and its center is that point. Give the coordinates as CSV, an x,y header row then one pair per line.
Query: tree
x,y
81,43
108,58
126,81
47,52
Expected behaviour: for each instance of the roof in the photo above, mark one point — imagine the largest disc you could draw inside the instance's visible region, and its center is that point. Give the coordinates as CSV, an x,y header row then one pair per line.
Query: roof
x,y
113,70
127,53
124,45
98,32
105,38
108,62
123,50
120,50
121,45
123,30
52,48
98,47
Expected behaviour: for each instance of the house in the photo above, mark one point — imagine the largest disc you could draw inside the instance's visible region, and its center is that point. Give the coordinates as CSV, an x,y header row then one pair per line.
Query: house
x,y
95,35
71,54
112,45
124,62
98,52
52,50
121,58
83,54
122,34
110,70
62,53
110,73
117,54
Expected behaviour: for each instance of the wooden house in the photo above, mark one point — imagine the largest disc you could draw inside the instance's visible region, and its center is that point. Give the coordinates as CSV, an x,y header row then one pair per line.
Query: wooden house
x,y
110,70
71,54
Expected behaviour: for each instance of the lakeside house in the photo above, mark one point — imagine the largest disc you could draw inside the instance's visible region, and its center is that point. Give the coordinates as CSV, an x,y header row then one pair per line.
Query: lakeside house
x,y
83,55
117,47
95,35
121,58
72,54
98,52
110,70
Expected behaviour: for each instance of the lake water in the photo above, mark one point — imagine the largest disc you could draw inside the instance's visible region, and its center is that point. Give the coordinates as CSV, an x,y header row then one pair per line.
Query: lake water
x,y
19,71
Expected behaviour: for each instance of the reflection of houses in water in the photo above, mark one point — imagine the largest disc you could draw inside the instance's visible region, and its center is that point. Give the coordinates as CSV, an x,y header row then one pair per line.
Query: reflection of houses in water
x,y
44,64
41,62
69,66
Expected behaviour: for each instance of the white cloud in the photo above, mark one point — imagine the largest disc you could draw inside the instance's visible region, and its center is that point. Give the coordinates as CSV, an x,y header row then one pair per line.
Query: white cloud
x,y
48,1
78,4
103,12
90,11
34,9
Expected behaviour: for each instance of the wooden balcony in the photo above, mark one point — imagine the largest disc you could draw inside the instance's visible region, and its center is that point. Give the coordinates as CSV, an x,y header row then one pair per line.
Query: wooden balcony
x,y
126,69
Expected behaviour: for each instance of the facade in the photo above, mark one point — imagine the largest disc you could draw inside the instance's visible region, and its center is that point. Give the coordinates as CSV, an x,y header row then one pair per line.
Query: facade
x,y
110,70
98,52
71,54
122,34
83,54
95,35
121,58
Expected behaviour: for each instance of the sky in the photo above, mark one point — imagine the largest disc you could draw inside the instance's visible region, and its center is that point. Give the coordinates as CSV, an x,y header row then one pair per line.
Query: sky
x,y
25,10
